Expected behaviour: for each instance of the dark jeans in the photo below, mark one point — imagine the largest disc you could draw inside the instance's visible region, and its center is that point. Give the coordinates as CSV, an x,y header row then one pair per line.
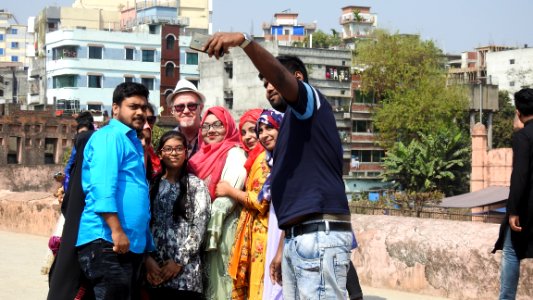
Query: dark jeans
x,y
112,276
352,284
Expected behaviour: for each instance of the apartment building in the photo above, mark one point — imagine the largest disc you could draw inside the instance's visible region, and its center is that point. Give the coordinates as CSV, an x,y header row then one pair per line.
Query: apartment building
x,y
286,30
15,40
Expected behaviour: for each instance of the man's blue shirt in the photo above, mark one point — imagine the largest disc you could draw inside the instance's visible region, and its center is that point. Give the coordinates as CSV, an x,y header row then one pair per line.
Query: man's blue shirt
x,y
114,181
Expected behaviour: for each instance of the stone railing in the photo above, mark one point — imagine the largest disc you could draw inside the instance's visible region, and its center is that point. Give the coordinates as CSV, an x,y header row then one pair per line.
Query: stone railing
x,y
434,257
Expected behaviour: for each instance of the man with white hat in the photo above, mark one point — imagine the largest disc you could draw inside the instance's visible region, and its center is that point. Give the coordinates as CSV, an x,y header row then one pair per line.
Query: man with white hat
x,y
186,104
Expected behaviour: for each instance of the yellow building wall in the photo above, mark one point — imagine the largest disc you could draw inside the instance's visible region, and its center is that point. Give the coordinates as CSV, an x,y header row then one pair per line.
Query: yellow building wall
x,y
89,18
197,11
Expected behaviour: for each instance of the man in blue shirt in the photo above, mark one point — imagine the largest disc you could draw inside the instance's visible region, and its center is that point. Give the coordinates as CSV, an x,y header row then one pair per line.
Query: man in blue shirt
x,y
307,187
114,227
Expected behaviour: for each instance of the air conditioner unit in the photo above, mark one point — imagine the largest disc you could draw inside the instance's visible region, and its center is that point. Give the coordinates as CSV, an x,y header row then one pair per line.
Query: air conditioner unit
x,y
346,115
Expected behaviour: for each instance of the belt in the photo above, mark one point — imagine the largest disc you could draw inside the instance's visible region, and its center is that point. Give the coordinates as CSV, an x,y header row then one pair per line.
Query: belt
x,y
300,229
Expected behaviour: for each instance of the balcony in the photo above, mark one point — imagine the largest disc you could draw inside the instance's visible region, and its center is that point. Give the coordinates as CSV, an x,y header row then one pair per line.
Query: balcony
x,y
362,19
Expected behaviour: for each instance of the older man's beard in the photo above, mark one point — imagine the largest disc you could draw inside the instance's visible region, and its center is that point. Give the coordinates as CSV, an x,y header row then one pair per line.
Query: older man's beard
x,y
186,123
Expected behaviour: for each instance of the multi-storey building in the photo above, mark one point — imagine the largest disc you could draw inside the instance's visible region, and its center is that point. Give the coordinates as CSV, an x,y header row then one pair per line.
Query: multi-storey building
x,y
510,69
233,82
286,30
357,22
15,39
85,61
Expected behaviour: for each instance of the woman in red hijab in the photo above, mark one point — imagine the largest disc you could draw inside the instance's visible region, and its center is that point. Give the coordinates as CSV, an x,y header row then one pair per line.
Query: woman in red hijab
x,y
219,158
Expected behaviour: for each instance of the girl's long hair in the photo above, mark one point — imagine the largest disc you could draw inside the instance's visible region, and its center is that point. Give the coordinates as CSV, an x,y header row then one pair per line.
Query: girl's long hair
x,y
183,178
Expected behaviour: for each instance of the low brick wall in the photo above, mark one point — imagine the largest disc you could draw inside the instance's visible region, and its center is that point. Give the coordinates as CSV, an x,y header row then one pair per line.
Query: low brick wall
x,y
28,212
435,257
20,178
424,256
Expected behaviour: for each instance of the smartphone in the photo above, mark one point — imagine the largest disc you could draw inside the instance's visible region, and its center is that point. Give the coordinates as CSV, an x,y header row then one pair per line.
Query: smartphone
x,y
198,41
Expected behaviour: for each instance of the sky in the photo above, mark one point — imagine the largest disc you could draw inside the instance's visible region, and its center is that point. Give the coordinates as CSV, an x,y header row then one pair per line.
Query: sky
x,y
455,25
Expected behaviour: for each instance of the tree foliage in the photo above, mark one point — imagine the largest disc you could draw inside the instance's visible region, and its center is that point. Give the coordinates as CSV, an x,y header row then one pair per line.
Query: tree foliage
x,y
324,40
502,130
407,76
435,162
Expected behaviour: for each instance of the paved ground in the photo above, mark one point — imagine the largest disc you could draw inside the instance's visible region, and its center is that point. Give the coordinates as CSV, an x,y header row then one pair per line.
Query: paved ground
x,y
22,256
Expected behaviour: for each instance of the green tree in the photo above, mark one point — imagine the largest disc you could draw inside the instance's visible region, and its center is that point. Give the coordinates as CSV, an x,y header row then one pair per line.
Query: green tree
x,y
324,40
502,130
435,162
407,76
157,132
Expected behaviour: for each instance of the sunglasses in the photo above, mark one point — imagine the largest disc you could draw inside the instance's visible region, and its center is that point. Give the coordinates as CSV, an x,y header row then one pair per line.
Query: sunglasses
x,y
190,106
151,120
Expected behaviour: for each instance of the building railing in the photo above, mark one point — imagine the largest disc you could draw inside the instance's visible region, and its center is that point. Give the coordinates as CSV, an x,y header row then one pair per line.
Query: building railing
x,y
429,213
156,3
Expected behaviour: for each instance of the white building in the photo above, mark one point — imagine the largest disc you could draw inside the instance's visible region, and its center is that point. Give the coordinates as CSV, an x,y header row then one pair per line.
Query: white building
x,y
511,70
83,67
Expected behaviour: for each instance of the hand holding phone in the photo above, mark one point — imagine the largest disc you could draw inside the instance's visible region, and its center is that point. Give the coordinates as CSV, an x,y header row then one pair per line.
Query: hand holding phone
x,y
199,40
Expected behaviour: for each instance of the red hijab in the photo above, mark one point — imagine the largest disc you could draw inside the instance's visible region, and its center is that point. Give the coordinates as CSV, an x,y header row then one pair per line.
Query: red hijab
x,y
210,159
250,116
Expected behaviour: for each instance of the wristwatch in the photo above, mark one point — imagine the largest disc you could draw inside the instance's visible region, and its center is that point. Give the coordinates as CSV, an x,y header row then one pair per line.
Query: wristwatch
x,y
247,40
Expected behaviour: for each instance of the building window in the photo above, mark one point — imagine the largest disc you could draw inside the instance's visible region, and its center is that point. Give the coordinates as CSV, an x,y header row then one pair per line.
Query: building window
x,y
13,150
148,83
148,55
152,29
95,81
362,126
128,79
367,98
1,37
95,52
337,73
14,31
192,58
170,42
1,51
50,148
129,53
169,70
70,106
14,58
15,45
511,83
64,52
63,81
369,156
511,61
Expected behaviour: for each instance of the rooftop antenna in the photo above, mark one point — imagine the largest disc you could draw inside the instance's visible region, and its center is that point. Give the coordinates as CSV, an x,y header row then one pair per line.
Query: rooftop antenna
x,y
288,10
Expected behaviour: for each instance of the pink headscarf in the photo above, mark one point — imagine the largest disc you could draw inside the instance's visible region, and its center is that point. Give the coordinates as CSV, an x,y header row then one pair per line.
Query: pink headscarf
x,y
210,159
250,116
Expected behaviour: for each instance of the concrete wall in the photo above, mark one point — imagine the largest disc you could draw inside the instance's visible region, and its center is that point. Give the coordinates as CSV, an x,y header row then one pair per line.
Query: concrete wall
x,y
38,178
435,257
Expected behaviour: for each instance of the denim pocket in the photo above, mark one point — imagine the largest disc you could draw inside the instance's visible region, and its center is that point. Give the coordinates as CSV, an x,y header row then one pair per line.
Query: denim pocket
x,y
306,246
90,259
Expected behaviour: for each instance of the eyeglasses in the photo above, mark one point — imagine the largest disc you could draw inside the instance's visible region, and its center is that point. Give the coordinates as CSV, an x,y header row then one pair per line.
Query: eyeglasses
x,y
215,125
169,150
190,106
151,120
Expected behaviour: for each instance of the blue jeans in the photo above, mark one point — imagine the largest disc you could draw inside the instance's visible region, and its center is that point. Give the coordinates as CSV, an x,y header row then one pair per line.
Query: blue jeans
x,y
112,276
510,269
315,265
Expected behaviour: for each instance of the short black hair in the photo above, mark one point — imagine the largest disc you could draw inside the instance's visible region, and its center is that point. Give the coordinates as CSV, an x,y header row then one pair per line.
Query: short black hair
x,y
84,117
292,63
151,108
129,89
523,100
88,125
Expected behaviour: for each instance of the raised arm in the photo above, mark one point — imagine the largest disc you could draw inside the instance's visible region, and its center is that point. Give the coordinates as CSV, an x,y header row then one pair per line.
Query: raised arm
x,y
273,71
